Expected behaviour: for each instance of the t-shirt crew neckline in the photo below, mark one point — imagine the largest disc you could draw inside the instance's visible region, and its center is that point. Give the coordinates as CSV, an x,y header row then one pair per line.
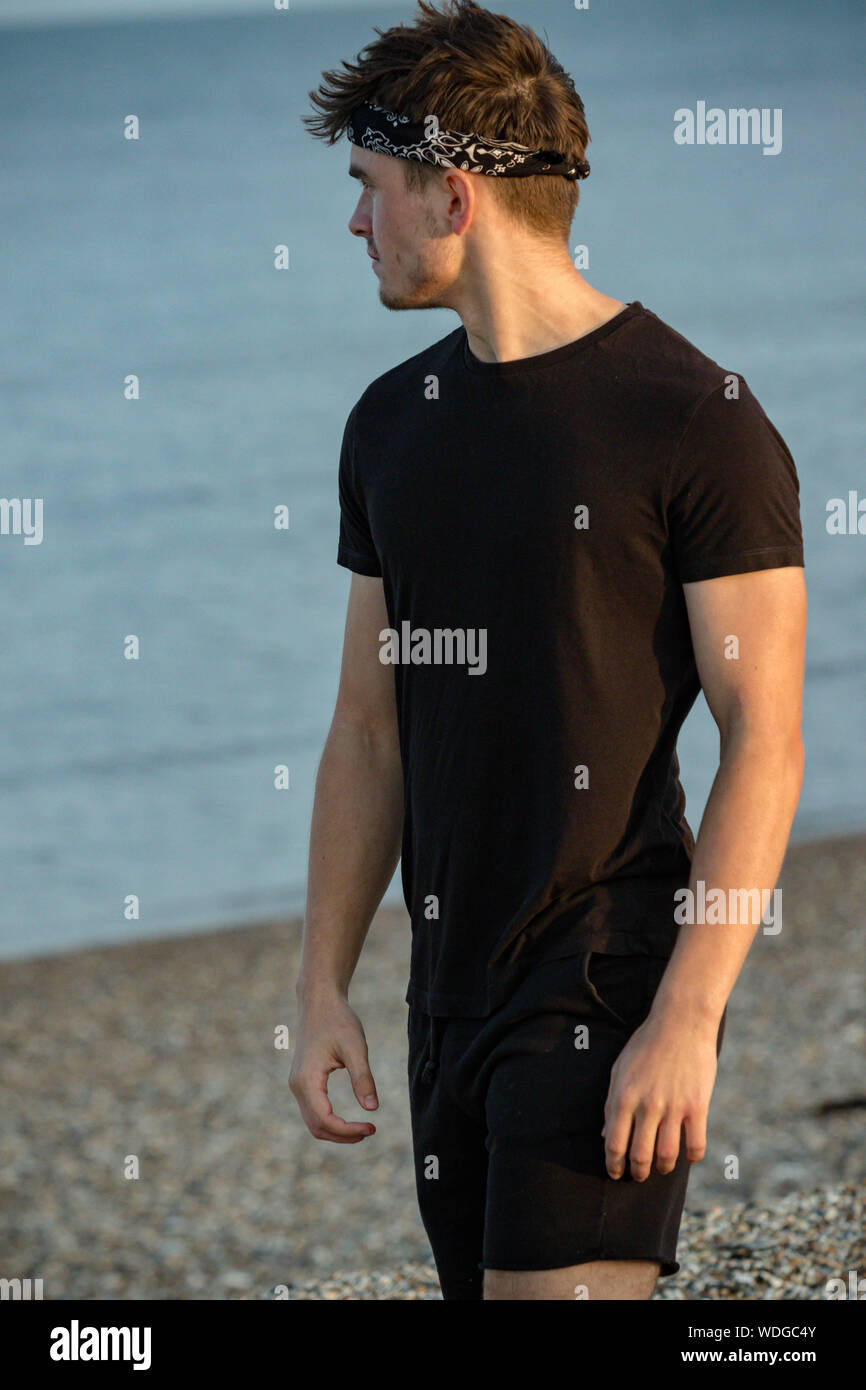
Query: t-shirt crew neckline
x,y
549,359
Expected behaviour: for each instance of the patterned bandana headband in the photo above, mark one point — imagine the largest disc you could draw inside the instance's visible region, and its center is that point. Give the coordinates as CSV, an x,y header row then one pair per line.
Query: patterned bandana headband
x,y
386,132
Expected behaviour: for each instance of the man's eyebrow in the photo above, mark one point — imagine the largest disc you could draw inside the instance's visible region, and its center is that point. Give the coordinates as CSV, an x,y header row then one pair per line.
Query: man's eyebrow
x,y
356,172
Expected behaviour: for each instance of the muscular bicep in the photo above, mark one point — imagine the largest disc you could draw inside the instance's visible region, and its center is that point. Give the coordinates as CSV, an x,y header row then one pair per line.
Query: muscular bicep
x,y
366,691
749,633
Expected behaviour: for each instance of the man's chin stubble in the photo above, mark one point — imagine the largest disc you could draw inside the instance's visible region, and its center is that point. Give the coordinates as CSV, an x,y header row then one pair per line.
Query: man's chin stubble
x,y
416,301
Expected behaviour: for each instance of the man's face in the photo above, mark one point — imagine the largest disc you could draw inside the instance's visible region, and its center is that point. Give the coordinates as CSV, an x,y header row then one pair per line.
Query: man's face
x,y
403,230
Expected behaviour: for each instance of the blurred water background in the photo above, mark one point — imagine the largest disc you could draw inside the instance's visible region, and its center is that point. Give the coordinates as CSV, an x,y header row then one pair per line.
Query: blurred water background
x,y
155,257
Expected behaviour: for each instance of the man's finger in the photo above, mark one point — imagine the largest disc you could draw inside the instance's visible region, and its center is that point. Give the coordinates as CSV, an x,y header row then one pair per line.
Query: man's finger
x,y
319,1114
339,1131
616,1140
358,1067
668,1147
696,1137
643,1145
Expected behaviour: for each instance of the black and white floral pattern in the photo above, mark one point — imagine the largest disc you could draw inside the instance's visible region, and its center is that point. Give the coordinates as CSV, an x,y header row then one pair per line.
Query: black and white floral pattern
x,y
386,132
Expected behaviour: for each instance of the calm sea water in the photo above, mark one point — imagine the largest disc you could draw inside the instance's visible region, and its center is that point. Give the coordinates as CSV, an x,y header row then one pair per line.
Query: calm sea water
x,y
155,257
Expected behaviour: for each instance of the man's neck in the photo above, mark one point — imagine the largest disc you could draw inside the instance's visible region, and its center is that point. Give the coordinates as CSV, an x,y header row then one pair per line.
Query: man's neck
x,y
510,316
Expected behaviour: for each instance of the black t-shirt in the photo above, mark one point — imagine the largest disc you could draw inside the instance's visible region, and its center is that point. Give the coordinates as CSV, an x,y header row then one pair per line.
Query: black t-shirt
x,y
533,522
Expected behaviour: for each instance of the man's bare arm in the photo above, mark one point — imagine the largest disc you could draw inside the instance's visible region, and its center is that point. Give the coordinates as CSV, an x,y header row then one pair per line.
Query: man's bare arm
x,y
354,848
664,1077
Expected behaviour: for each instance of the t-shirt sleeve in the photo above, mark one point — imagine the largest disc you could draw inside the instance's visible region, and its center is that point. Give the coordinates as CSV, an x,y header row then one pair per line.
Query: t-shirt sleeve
x,y
355,549
733,496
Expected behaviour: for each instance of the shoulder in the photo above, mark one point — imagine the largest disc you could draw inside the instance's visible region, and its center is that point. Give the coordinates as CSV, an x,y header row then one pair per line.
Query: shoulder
x,y
395,387
664,369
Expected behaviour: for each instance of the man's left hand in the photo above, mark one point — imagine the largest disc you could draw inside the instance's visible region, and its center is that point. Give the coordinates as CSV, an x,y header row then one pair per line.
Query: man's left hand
x,y
661,1081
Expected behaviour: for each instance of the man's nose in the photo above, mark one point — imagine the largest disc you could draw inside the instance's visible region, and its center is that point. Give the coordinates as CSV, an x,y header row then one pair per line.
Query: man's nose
x,y
359,222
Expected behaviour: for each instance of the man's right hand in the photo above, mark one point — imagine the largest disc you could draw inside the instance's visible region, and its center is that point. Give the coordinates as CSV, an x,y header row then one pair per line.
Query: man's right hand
x,y
329,1037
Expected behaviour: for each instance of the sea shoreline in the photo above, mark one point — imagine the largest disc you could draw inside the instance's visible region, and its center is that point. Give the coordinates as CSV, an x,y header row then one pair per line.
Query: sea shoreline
x,y
293,919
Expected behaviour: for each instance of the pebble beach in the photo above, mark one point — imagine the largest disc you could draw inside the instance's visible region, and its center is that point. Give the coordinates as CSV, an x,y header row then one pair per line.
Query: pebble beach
x,y
150,1147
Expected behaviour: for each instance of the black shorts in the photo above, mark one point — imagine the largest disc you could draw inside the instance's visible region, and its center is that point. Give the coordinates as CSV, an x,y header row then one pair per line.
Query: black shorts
x,y
507,1113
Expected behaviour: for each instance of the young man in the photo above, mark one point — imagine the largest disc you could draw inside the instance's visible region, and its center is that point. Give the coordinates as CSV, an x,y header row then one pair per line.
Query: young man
x,y
563,520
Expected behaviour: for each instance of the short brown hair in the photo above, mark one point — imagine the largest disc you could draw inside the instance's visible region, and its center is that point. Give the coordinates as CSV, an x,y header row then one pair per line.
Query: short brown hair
x,y
476,72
